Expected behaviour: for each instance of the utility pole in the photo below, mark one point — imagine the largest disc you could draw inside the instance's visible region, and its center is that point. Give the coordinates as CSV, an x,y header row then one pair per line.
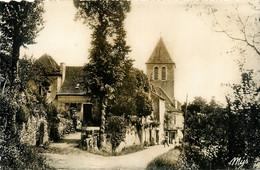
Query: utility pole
x,y
185,113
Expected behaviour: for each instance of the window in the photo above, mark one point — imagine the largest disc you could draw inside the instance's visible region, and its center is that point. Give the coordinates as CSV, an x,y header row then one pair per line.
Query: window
x,y
163,73
156,73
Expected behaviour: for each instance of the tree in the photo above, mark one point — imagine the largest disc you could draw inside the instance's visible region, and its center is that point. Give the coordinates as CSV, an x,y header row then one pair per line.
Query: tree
x,y
132,97
242,118
205,134
243,124
104,73
20,23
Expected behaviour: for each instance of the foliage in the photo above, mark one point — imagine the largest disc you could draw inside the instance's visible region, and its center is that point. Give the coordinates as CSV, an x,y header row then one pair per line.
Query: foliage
x,y
130,149
214,135
104,72
205,133
20,156
17,105
26,71
243,124
172,159
14,154
143,104
124,151
108,56
116,129
19,25
132,98
53,121
29,71
242,112
7,119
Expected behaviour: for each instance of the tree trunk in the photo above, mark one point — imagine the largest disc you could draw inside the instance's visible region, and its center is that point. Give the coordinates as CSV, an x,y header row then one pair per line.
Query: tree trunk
x,y
15,54
15,58
102,136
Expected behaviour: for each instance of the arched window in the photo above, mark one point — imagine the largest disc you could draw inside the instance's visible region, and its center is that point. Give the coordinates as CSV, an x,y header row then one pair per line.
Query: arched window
x,y
164,73
155,73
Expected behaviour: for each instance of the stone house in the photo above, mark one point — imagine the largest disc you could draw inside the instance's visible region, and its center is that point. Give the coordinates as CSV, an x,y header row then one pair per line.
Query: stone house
x,y
64,88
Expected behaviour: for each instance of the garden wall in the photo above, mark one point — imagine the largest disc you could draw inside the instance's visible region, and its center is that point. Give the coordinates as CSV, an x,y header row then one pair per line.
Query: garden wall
x,y
131,138
35,131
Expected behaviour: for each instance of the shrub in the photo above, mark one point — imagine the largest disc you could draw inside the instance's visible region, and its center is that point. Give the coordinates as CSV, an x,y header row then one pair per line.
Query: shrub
x,y
146,143
171,160
53,121
116,129
13,154
20,156
130,149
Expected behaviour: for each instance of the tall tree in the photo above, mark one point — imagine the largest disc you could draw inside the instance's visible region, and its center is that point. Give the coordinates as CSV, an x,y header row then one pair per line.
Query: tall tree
x,y
244,119
205,134
108,56
20,23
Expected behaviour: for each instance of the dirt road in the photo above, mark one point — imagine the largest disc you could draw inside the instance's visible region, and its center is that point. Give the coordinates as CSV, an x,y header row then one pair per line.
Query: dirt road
x,y
65,155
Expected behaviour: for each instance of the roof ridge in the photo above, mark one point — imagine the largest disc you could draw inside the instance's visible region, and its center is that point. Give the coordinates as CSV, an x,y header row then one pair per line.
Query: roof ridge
x,y
75,66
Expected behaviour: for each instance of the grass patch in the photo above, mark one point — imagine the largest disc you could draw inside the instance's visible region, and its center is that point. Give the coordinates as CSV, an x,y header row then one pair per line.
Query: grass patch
x,y
130,149
102,152
124,151
167,161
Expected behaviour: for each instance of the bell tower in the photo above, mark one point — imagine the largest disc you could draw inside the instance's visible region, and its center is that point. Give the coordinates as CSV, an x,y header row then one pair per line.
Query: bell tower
x,y
160,68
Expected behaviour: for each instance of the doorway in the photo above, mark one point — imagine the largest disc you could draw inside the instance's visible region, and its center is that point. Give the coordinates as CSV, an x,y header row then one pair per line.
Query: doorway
x,y
87,114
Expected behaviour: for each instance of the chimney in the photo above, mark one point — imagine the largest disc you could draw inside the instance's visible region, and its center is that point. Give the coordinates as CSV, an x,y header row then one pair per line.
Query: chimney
x,y
62,72
176,104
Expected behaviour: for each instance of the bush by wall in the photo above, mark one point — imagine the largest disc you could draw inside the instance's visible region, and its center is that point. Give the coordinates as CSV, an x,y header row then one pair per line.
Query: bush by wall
x,y
14,154
116,129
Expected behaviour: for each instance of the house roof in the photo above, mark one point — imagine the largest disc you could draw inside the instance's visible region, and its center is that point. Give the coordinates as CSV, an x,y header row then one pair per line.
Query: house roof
x,y
47,64
160,54
169,103
73,83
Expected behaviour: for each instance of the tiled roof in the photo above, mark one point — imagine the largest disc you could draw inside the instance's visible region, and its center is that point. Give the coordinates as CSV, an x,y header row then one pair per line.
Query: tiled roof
x,y
160,54
169,103
47,64
73,83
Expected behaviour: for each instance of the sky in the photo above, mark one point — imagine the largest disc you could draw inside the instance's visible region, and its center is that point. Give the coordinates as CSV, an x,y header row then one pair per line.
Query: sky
x,y
202,57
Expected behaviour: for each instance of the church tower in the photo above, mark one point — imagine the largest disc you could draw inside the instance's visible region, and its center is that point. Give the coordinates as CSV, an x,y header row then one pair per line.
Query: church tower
x,y
160,69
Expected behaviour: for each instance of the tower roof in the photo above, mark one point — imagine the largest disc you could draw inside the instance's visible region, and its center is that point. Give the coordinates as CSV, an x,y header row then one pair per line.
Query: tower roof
x,y
160,54
47,64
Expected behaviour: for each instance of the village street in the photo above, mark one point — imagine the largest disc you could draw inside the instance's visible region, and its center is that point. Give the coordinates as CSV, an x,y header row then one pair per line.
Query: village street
x,y
65,155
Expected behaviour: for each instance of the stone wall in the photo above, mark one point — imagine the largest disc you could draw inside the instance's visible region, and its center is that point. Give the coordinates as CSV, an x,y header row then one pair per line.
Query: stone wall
x,y
31,131
131,138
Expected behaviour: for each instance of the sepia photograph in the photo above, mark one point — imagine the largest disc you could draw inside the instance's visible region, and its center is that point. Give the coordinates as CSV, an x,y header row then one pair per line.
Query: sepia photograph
x,y
129,84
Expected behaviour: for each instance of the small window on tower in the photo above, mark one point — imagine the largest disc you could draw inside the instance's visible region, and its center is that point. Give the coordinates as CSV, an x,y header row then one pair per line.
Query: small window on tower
x,y
156,73
163,73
